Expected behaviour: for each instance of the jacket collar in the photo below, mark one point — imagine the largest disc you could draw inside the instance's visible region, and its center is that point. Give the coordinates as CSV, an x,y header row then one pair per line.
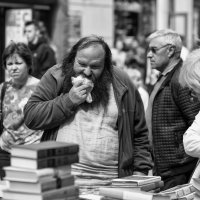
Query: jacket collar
x,y
119,87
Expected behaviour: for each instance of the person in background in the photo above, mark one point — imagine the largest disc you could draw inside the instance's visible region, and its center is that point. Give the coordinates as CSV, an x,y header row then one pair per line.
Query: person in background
x,y
44,34
110,130
136,75
190,77
170,112
119,54
43,54
17,60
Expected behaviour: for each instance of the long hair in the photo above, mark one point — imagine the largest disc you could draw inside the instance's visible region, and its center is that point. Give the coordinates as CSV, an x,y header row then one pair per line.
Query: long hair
x,y
85,42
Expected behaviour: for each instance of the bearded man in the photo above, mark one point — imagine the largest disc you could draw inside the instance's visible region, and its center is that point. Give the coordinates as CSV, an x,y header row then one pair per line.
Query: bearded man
x,y
110,128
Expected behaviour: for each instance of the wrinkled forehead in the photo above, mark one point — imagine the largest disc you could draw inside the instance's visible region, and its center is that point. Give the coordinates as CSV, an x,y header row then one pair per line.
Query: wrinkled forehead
x,y
94,51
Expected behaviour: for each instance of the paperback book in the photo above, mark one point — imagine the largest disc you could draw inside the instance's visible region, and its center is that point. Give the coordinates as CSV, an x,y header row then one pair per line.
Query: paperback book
x,y
146,187
135,180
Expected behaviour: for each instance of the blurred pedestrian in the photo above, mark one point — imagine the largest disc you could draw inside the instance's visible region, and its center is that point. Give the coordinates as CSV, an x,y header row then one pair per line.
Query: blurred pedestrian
x,y
110,130
136,75
17,60
171,110
43,54
119,54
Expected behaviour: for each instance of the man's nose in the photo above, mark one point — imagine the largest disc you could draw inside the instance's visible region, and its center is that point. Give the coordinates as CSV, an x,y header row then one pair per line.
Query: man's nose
x,y
149,54
88,71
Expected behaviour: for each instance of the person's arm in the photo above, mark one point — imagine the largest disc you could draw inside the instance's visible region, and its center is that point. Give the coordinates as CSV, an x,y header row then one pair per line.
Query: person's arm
x,y
191,138
45,108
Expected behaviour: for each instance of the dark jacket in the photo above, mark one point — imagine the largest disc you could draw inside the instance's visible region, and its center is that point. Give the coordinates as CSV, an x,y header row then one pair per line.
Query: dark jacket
x,y
173,112
43,58
48,108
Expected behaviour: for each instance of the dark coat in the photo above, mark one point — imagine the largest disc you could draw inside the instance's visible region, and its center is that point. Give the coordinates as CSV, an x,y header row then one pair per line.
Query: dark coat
x,y
173,112
48,108
43,58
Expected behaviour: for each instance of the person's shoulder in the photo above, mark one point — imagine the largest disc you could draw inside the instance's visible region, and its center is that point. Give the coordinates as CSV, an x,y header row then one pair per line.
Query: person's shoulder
x,y
33,81
123,78
54,72
176,72
119,72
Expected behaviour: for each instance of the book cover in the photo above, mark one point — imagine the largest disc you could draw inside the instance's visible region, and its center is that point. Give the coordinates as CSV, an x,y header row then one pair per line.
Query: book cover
x,y
44,149
41,186
135,180
55,161
35,175
61,193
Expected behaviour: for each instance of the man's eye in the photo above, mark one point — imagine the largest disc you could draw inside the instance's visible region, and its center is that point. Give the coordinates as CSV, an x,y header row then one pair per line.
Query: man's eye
x,y
82,64
94,66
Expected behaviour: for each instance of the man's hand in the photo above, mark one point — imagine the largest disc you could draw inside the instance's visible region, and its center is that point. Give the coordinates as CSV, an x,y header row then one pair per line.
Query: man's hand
x,y
78,92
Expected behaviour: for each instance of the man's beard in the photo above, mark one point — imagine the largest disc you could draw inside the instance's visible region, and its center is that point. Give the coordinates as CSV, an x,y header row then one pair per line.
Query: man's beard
x,y
100,92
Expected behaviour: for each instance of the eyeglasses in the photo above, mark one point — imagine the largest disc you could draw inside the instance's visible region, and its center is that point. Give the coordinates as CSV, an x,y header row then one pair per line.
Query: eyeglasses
x,y
155,49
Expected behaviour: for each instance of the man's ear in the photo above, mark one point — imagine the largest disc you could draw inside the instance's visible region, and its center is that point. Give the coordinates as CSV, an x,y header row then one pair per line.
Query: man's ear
x,y
171,51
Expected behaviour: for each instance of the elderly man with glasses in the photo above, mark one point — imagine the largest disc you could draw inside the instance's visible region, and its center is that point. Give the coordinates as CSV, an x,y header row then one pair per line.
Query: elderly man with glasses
x,y
170,112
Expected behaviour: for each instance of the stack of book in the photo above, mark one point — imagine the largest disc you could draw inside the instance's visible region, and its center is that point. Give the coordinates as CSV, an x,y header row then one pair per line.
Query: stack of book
x,y
145,188
42,172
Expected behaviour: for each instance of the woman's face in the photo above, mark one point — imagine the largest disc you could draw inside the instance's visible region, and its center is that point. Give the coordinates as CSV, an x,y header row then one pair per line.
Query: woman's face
x,y
17,68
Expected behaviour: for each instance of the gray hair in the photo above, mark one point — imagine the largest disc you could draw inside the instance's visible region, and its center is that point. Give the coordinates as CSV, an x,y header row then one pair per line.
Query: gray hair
x,y
169,36
190,71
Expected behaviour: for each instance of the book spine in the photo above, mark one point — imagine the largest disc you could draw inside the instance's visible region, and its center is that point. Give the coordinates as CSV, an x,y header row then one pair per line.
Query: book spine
x,y
42,154
57,151
65,160
65,181
57,161
67,150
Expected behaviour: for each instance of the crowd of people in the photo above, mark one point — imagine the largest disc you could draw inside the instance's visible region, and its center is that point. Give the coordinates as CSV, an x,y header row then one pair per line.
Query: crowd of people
x,y
123,129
